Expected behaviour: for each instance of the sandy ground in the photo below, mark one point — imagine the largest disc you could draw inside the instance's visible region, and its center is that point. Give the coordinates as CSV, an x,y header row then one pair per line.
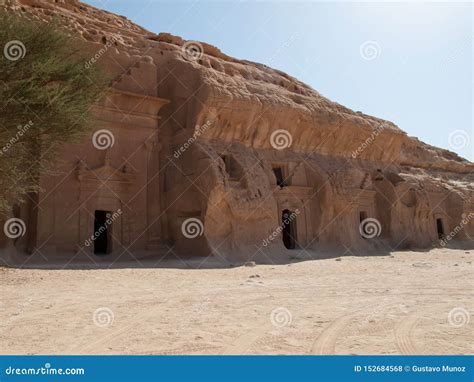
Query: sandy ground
x,y
405,303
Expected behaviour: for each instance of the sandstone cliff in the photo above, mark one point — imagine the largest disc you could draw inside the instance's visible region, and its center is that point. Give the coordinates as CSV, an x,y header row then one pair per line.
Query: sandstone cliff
x,y
339,165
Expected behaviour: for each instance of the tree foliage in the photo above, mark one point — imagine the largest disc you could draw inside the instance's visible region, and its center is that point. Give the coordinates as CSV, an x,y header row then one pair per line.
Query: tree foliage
x,y
46,96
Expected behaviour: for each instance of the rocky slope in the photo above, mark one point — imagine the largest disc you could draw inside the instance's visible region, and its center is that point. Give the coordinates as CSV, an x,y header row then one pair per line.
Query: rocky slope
x,y
249,82
339,161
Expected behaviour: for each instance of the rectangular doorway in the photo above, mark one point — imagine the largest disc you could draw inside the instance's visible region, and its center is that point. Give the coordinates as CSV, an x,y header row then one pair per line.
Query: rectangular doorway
x,y
102,242
278,172
289,229
440,228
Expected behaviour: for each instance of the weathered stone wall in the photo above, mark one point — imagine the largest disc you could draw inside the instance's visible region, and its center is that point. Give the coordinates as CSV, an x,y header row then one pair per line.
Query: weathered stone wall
x,y
212,154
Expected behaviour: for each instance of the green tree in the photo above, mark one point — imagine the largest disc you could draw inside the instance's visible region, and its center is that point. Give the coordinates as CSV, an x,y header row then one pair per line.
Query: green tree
x,y
46,96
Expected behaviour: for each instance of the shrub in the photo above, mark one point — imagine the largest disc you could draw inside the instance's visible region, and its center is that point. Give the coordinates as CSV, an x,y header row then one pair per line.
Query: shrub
x,y
46,96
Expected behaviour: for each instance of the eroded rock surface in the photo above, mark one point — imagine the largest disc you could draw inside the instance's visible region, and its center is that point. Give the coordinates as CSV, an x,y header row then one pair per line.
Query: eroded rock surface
x,y
244,149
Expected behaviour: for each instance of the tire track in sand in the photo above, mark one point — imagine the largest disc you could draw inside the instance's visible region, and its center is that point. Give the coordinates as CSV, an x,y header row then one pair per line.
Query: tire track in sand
x,y
404,335
326,341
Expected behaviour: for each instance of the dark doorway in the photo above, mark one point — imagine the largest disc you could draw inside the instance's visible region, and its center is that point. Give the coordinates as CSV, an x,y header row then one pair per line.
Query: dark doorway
x,y
440,228
362,216
231,167
101,233
289,229
279,176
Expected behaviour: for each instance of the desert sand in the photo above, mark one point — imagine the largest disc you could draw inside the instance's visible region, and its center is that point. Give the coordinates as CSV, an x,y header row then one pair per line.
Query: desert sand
x,y
400,303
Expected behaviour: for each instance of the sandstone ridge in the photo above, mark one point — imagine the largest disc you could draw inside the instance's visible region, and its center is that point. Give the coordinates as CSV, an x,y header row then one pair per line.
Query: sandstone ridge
x,y
197,132
246,81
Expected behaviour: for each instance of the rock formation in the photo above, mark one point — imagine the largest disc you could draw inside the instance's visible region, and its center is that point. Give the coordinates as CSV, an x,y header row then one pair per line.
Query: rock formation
x,y
255,161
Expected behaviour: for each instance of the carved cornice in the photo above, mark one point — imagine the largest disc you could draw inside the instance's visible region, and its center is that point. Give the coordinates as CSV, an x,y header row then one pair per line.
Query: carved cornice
x,y
104,173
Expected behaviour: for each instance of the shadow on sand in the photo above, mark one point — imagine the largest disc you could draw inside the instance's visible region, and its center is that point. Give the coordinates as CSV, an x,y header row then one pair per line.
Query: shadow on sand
x,y
167,258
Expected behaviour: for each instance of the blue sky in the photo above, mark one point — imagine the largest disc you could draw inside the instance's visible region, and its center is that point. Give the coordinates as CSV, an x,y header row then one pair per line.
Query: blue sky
x,y
419,71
